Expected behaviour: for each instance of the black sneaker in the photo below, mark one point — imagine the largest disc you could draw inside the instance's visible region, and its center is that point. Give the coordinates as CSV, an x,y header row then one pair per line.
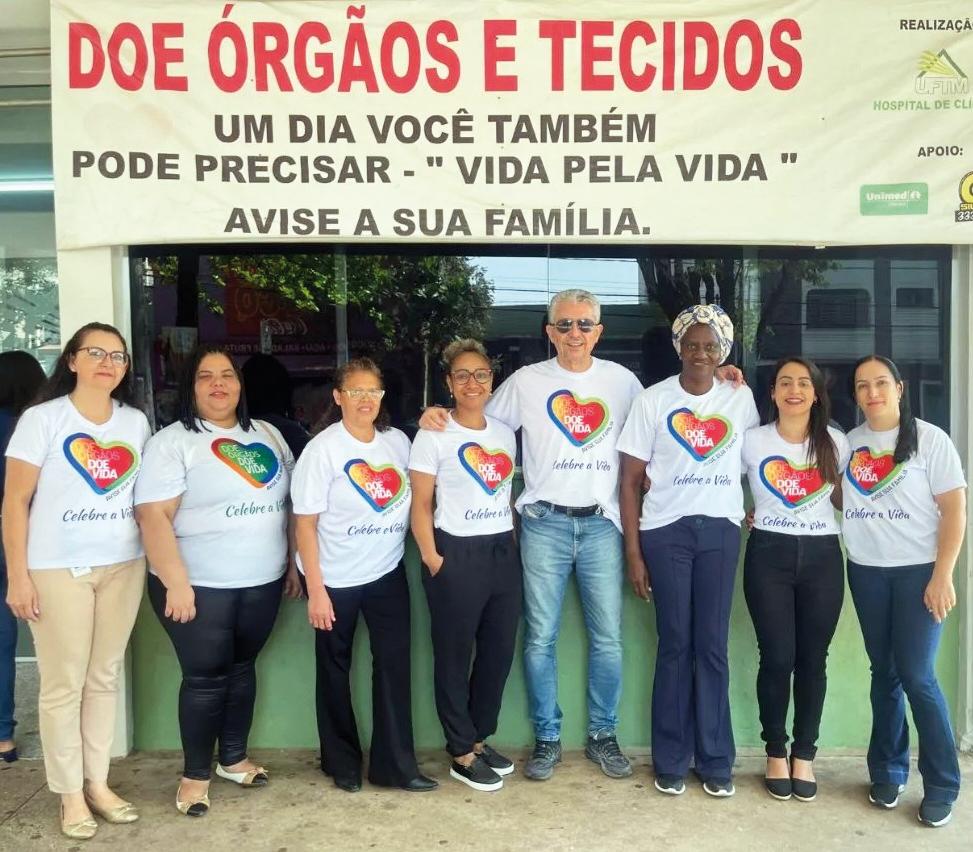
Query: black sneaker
x,y
671,785
885,795
935,814
540,765
477,775
496,761
603,750
721,788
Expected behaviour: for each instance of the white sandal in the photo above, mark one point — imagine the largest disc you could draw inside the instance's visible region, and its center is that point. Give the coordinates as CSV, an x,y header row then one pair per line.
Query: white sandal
x,y
258,777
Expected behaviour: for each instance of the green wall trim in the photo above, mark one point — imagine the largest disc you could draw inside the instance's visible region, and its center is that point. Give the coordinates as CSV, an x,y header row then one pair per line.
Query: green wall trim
x,y
285,697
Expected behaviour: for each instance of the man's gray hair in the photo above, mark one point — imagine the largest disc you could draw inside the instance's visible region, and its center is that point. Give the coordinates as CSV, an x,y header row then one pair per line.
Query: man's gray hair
x,y
578,297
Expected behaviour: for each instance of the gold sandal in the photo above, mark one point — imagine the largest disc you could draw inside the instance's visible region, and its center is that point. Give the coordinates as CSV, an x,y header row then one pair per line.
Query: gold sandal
x,y
195,807
84,830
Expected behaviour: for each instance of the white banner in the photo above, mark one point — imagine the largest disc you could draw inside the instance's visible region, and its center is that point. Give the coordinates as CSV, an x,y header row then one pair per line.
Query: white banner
x,y
709,122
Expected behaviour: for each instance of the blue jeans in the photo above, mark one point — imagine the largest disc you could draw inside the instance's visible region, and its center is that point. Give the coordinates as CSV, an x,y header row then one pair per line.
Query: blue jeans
x,y
8,663
692,563
551,546
901,639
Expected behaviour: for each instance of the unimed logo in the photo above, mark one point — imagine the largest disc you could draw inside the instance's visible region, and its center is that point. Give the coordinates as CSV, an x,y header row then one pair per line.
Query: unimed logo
x,y
894,199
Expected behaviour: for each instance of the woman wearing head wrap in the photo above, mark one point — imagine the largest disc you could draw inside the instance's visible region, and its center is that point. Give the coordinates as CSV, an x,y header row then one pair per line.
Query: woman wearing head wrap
x,y
687,432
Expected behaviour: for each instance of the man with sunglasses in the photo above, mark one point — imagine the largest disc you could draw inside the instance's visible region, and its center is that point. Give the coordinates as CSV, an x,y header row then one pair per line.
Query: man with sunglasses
x,y
571,409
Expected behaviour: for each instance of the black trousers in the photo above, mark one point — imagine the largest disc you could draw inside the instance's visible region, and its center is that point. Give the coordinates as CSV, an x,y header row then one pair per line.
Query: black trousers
x,y
794,586
217,652
384,604
474,599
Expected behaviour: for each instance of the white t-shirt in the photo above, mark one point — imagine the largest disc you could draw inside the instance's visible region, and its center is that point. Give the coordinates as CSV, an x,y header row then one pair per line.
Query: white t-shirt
x,y
571,423
361,495
692,446
789,495
231,524
474,470
81,515
890,516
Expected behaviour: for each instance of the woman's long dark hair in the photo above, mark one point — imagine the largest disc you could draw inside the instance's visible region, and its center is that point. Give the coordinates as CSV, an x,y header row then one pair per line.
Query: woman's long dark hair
x,y
189,414
907,444
821,449
355,365
21,377
63,380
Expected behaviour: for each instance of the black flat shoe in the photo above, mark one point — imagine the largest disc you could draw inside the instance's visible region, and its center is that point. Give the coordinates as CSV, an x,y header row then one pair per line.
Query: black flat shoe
x,y
779,788
349,785
9,756
420,784
804,791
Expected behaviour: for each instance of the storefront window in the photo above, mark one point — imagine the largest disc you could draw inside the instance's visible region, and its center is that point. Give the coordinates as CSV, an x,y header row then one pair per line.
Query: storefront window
x,y
312,311
28,260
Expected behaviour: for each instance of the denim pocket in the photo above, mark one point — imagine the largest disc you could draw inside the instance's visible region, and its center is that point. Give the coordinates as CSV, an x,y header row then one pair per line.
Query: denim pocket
x,y
536,511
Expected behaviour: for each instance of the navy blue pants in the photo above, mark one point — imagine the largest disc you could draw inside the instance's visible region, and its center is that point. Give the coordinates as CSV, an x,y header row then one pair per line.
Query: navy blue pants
x,y
8,659
692,563
901,639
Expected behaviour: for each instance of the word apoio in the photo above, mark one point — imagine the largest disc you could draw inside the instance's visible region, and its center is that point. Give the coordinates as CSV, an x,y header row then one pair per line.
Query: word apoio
x,y
401,57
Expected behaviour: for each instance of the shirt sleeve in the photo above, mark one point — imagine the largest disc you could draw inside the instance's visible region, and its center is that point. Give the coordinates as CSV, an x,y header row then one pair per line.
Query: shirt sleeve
x,y
842,447
638,434
425,455
749,440
752,416
31,438
504,405
283,450
943,466
311,482
163,472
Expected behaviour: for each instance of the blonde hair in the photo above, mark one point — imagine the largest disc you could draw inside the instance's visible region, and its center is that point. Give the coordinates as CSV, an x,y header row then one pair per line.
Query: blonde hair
x,y
461,347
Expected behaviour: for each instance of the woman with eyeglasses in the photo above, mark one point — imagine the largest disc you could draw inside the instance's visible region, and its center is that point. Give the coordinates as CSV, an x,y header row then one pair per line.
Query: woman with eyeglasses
x,y
351,500
687,433
794,577
472,578
212,503
75,563
904,517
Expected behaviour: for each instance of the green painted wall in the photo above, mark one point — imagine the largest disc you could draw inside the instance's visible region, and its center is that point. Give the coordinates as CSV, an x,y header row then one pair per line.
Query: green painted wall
x,y
285,700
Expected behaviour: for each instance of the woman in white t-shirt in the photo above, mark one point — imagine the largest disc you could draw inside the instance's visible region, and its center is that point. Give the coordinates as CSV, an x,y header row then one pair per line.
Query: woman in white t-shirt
x,y
212,502
75,563
472,577
351,503
687,432
794,577
903,521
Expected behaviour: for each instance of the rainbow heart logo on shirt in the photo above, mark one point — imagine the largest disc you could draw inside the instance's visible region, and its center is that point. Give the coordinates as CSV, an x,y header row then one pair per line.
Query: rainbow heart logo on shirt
x,y
869,471
490,468
103,466
581,420
380,486
700,436
793,484
256,462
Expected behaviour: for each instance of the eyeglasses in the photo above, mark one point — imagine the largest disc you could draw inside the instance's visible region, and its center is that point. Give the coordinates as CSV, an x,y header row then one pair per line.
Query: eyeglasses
x,y
96,353
693,347
585,326
364,393
482,376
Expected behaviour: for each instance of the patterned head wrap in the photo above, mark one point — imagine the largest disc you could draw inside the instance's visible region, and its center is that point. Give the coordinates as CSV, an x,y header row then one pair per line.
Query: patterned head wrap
x,y
712,315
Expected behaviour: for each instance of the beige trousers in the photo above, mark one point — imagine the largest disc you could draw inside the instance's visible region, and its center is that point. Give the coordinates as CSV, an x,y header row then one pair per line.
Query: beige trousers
x,y
80,638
